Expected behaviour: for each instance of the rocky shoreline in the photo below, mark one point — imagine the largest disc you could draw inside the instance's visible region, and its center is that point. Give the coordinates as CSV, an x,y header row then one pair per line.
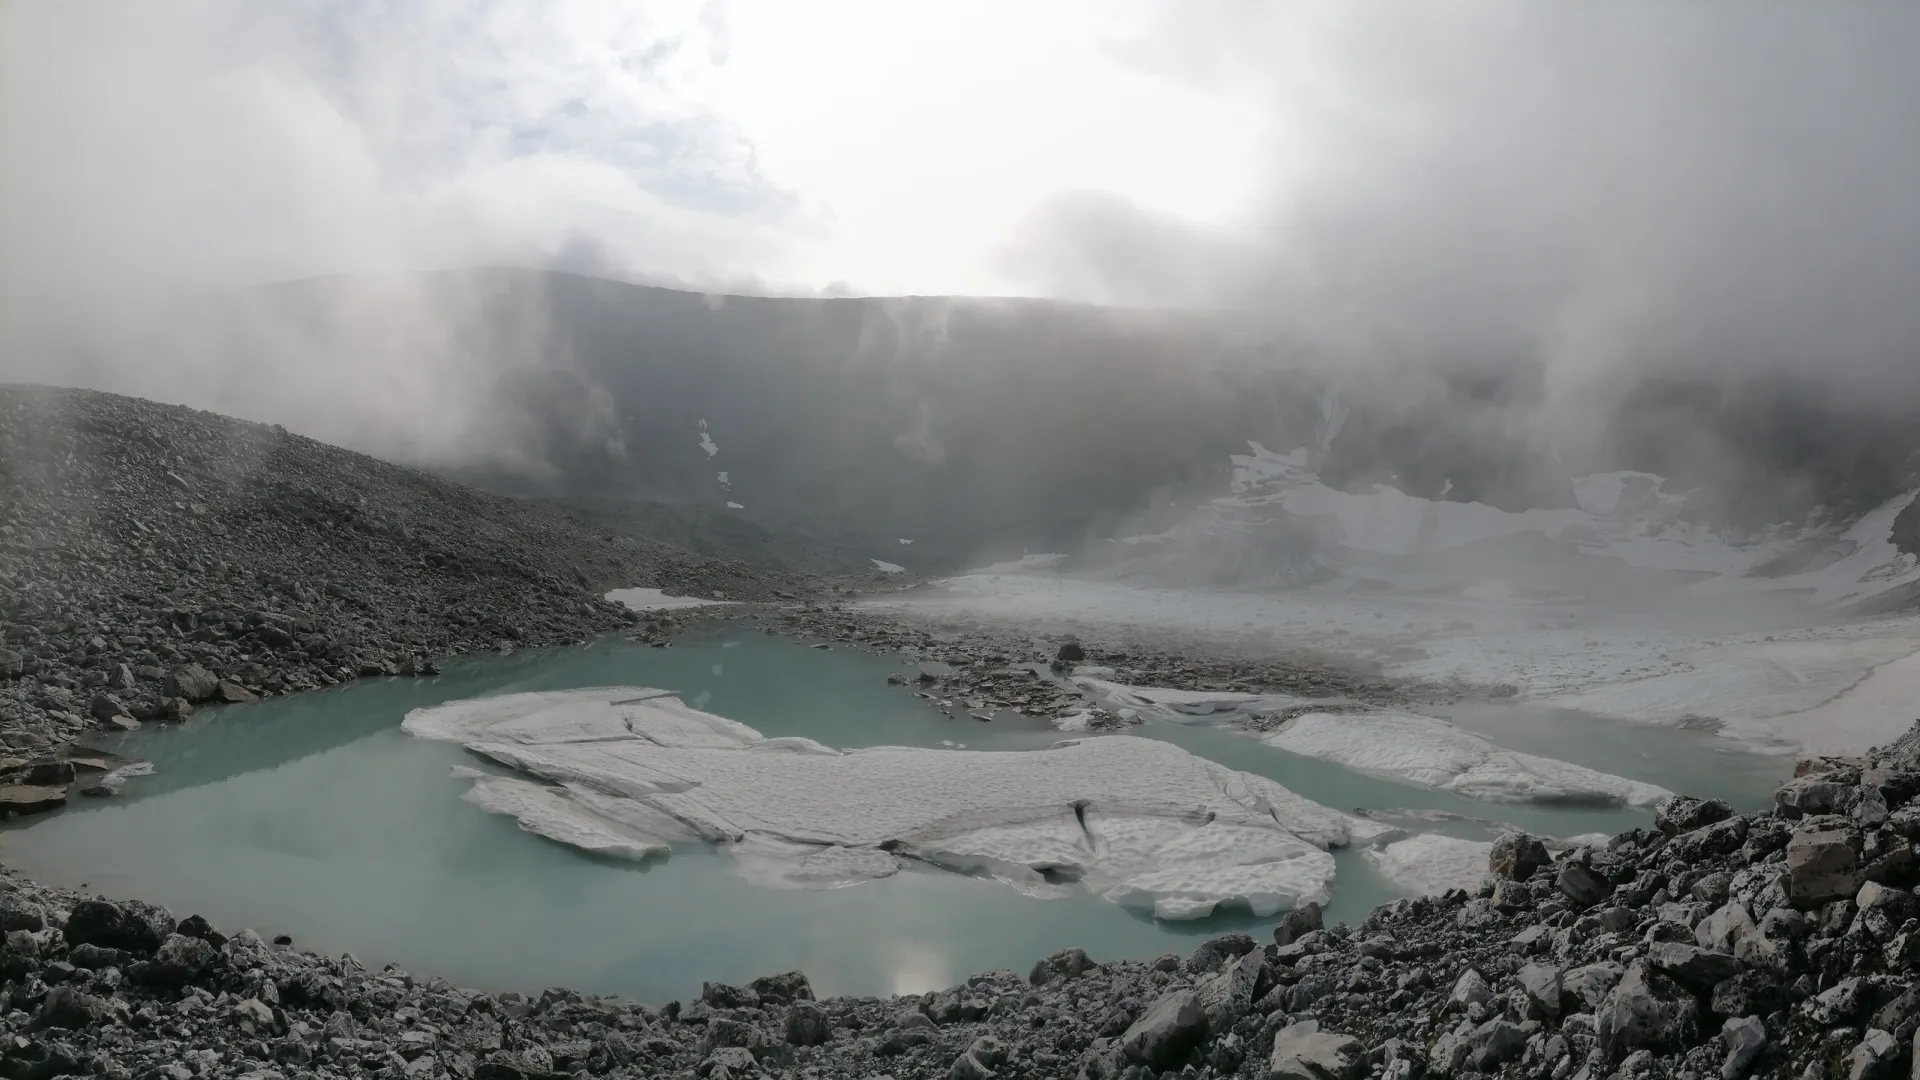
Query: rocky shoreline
x,y
1774,944
154,557
981,667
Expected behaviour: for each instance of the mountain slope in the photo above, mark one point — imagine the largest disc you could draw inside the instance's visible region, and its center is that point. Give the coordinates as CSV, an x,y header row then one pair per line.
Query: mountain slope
x,y
137,537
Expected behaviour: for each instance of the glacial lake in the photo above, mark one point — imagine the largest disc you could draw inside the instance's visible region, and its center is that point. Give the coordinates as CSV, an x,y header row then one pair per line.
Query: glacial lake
x,y
317,817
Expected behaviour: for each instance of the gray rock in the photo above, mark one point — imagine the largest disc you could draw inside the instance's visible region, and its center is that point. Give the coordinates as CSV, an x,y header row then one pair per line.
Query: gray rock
x,y
1873,1057
1226,997
1494,1043
1896,905
1814,795
783,988
1294,924
1683,813
254,1016
1744,1037
1710,841
192,682
1691,965
66,1007
130,925
1516,855
1839,1003
1539,994
1821,866
807,1024
1471,988
19,914
1304,1052
722,996
1170,1028
1580,884
1750,993
1593,982
1784,924
1214,952
726,1063
1065,964
1647,1010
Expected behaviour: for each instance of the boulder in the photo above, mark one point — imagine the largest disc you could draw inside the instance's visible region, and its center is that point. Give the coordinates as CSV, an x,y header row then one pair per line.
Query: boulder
x,y
178,961
783,988
1304,919
17,913
1821,793
723,996
1470,988
233,693
1215,952
197,927
130,925
982,1057
1646,1011
1582,885
1592,983
1304,1052
1821,866
1692,966
1166,1032
1226,997
192,682
807,1024
19,954
27,799
1065,964
1874,1057
1710,841
1539,994
1744,1037
1516,855
1683,813
66,1007
1494,1043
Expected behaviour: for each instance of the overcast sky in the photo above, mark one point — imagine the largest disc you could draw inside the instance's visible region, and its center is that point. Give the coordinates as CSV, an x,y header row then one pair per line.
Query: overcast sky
x,y
1579,182
893,146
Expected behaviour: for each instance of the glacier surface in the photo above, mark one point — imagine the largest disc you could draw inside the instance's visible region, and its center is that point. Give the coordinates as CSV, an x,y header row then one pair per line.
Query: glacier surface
x,y
629,771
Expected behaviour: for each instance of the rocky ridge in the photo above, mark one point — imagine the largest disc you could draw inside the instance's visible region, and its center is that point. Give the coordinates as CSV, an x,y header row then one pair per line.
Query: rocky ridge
x,y
153,558
1780,943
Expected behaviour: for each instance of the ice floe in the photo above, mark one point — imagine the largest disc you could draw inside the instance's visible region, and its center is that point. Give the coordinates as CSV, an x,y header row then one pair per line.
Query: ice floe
x,y
1432,863
655,600
1431,752
1135,703
628,771
886,567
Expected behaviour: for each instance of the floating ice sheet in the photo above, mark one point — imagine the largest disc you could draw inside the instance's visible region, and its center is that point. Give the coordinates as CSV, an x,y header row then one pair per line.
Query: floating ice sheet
x,y
1141,822
655,600
1134,703
1431,863
1431,752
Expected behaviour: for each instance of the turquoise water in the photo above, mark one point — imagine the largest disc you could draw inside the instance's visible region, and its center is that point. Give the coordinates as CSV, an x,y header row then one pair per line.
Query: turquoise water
x,y
315,816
